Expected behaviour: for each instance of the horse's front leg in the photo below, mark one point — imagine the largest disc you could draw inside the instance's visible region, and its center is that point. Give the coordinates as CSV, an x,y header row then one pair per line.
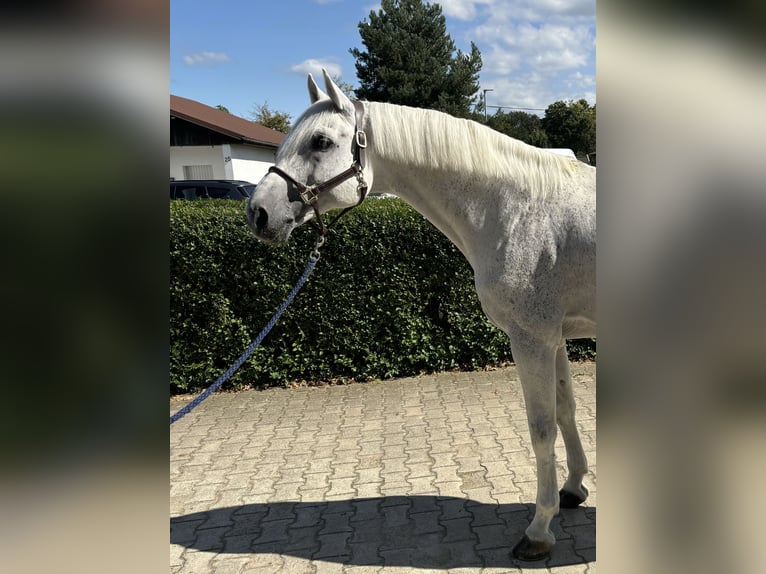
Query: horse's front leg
x,y
536,365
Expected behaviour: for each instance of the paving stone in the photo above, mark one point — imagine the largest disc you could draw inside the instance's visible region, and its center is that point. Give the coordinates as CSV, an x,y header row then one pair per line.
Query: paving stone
x,y
198,562
372,530
367,475
368,490
458,529
422,485
313,494
449,489
333,546
427,522
337,522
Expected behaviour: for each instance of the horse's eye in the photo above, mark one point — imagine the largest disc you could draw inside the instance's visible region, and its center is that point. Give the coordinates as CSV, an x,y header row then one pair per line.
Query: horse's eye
x,y
321,143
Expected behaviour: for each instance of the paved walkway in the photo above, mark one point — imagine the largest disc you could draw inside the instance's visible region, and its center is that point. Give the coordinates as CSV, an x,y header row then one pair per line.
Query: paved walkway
x,y
425,474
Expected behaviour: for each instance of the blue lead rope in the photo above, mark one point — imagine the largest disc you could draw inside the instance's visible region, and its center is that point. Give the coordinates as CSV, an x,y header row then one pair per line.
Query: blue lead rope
x,y
238,363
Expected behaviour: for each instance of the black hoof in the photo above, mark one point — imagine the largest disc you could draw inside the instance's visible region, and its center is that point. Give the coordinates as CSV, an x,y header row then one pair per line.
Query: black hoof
x,y
569,500
527,549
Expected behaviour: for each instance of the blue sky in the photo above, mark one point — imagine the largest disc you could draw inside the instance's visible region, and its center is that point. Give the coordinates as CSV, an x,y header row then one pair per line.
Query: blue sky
x,y
239,53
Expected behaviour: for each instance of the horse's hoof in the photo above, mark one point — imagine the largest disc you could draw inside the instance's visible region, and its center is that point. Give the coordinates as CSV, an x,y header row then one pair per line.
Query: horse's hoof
x,y
527,549
569,500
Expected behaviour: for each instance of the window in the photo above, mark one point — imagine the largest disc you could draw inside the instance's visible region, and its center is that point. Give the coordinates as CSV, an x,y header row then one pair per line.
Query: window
x,y
198,172
190,192
223,192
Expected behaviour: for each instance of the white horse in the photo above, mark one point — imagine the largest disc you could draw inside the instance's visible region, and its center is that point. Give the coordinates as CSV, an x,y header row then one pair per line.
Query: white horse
x,y
524,218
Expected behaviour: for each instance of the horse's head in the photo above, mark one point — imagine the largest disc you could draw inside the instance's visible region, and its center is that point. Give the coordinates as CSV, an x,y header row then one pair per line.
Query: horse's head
x,y
316,166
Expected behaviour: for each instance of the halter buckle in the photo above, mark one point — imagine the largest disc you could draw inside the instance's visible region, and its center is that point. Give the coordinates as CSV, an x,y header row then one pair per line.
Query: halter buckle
x,y
309,195
361,139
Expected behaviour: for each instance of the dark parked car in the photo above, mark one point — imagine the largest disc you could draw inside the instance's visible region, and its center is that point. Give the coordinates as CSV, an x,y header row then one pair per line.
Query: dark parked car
x,y
211,188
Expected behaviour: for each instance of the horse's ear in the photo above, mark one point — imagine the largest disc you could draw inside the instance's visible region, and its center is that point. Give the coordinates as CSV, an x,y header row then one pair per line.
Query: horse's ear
x,y
315,92
341,101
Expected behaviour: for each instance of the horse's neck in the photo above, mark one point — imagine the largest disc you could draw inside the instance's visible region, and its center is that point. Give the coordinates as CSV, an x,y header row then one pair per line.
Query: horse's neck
x,y
435,196
465,207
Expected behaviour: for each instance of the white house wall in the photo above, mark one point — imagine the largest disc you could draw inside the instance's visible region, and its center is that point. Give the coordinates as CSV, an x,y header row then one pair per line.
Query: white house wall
x,y
230,161
196,155
251,163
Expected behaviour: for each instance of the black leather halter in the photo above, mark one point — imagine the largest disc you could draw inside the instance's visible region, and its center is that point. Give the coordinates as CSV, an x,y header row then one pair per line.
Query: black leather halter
x,y
309,194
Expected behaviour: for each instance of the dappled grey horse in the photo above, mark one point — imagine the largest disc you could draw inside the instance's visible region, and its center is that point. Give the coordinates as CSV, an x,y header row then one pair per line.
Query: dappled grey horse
x,y
524,218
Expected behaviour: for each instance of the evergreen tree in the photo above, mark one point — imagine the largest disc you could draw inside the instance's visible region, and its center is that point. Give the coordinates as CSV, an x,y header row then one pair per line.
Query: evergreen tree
x,y
411,60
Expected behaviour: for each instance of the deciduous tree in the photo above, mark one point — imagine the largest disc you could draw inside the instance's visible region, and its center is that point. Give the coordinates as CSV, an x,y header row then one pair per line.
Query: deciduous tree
x,y
520,125
345,87
275,120
571,125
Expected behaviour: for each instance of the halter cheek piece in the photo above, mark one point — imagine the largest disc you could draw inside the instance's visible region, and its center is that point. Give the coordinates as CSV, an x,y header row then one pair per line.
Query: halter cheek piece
x,y
309,194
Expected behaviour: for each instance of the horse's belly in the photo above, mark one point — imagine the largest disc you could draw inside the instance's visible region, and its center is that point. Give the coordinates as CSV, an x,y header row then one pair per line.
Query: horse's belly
x,y
578,328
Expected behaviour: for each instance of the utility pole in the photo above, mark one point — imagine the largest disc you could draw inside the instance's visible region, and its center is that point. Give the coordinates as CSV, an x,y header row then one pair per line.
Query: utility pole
x,y
485,102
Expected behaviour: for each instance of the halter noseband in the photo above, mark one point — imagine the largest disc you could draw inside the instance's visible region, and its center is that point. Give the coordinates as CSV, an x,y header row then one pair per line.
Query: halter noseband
x,y
309,194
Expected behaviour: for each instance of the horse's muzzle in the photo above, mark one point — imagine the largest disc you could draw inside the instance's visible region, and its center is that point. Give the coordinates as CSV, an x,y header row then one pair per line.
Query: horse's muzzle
x,y
263,225
261,220
258,220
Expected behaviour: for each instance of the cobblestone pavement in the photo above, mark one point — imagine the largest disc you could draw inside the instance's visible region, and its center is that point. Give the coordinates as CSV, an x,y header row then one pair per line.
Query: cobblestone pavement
x,y
426,474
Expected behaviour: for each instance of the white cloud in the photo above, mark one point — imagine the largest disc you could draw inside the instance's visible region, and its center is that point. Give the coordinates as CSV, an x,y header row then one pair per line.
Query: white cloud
x,y
501,60
314,67
564,8
205,58
461,9
545,48
582,81
520,91
535,91
580,86
539,11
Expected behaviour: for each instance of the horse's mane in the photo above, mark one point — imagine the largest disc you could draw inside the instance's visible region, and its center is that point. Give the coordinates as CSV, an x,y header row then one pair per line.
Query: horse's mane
x,y
427,138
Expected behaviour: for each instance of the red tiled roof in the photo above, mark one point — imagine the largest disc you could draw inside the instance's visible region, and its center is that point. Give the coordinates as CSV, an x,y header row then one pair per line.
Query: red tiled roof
x,y
223,123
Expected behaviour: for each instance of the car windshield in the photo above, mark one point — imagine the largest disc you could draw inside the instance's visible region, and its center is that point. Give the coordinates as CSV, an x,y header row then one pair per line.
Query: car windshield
x,y
248,189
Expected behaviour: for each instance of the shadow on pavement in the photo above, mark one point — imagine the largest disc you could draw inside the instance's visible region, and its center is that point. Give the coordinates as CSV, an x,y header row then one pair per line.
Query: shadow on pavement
x,y
406,531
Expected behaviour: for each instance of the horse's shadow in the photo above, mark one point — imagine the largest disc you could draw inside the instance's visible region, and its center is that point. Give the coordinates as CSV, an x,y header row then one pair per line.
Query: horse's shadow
x,y
407,531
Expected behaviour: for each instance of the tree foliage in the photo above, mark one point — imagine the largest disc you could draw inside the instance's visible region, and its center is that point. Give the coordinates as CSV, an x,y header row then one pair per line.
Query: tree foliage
x,y
571,125
411,60
222,108
520,125
345,87
275,120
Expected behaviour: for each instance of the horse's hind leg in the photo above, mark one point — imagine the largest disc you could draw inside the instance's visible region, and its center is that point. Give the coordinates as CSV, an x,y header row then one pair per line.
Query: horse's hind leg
x,y
573,493
535,362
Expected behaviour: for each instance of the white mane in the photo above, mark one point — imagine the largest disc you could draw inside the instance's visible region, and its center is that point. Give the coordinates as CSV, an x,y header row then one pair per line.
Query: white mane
x,y
427,138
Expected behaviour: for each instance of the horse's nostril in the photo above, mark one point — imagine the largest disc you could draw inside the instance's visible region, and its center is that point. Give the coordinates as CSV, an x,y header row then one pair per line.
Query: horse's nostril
x,y
263,218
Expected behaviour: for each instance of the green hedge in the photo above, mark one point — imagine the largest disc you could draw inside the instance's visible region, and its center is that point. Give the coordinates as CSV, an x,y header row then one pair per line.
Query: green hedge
x,y
391,296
